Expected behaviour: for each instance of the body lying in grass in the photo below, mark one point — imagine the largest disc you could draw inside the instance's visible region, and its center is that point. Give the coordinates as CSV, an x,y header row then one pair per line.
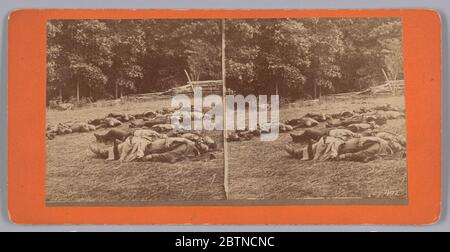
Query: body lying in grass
x,y
342,144
149,145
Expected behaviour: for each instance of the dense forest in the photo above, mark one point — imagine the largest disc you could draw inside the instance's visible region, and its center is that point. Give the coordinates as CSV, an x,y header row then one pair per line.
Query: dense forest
x,y
296,58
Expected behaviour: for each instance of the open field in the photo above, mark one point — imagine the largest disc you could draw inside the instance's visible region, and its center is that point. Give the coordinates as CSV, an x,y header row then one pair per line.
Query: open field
x,y
74,175
257,170
264,171
98,110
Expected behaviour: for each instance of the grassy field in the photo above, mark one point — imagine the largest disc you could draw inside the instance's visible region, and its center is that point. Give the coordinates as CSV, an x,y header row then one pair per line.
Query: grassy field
x,y
74,175
264,171
257,170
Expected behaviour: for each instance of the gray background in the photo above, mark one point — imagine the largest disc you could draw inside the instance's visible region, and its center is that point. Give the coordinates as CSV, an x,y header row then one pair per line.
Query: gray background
x,y
6,6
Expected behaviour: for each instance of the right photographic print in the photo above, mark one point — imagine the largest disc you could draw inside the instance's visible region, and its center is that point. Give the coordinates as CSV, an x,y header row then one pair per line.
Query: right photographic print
x,y
334,89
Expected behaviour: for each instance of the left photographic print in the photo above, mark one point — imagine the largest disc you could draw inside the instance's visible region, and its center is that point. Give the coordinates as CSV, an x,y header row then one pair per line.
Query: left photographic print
x,y
110,136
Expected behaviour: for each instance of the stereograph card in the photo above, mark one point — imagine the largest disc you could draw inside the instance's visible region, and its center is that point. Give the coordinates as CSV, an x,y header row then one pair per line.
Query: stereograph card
x,y
224,116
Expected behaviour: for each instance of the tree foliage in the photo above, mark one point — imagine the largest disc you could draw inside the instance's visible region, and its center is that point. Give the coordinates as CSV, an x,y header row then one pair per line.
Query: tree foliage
x,y
309,57
297,58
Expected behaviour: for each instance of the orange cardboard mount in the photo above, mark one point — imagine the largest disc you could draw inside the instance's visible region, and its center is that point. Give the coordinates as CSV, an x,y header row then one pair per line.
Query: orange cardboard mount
x,y
27,143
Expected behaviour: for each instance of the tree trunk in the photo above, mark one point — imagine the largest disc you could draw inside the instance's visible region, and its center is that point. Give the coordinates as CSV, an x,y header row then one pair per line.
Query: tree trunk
x,y
117,91
315,90
78,91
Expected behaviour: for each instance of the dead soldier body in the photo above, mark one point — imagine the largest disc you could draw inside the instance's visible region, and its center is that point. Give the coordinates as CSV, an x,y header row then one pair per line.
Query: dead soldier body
x,y
158,119
315,134
146,145
173,149
113,135
360,149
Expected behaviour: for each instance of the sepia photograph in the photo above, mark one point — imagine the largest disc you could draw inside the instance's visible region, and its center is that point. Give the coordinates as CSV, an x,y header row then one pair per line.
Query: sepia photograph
x,y
225,111
110,137
342,128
